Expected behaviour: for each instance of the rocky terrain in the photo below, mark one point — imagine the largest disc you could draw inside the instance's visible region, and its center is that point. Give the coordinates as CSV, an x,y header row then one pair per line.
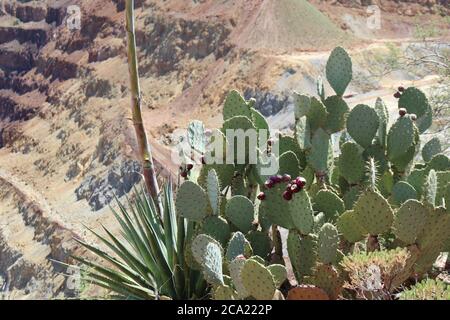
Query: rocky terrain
x,y
66,144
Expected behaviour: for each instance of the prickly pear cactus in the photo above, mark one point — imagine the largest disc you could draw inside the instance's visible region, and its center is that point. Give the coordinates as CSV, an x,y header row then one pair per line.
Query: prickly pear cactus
x,y
307,292
409,221
362,124
351,163
208,253
302,253
192,201
257,280
279,273
350,228
213,189
238,246
374,212
240,212
217,228
339,70
328,243
329,203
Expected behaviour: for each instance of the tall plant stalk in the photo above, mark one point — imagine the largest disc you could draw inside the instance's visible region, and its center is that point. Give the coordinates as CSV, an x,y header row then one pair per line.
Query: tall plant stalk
x,y
136,100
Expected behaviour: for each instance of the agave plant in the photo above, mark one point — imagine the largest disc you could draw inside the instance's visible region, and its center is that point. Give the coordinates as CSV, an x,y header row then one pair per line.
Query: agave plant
x,y
147,261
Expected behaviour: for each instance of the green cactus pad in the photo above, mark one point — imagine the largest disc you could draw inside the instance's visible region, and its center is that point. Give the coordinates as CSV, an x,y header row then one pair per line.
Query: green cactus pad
x,y
417,179
383,115
208,253
236,267
318,156
224,172
196,136
303,133
400,138
351,163
240,212
258,280
217,228
302,253
275,209
328,243
424,122
213,189
362,124
414,101
317,115
350,228
403,191
191,201
351,196
439,162
259,121
302,105
279,273
224,293
301,212
409,221
337,110
238,185
289,164
327,278
235,105
431,148
260,242
374,213
238,245
287,143
319,221
329,203
339,70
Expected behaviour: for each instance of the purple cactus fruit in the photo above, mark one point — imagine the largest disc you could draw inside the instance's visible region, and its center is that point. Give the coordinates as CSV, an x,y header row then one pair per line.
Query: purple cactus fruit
x,y
300,182
397,95
286,178
287,195
268,184
402,112
261,196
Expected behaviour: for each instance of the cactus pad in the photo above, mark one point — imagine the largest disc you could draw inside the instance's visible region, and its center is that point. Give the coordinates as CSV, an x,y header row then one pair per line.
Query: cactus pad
x,y
374,212
208,253
224,293
402,191
235,105
279,273
317,115
414,101
275,209
191,201
337,110
307,292
327,278
289,164
350,228
362,124
431,187
302,253
237,246
301,211
303,133
329,203
409,221
258,280
318,156
351,163
213,189
240,212
235,268
431,148
439,162
400,137
260,242
328,243
339,70
217,228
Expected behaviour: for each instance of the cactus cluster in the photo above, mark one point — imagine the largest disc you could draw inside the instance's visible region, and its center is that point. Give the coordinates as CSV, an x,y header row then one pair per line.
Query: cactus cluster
x,y
382,200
